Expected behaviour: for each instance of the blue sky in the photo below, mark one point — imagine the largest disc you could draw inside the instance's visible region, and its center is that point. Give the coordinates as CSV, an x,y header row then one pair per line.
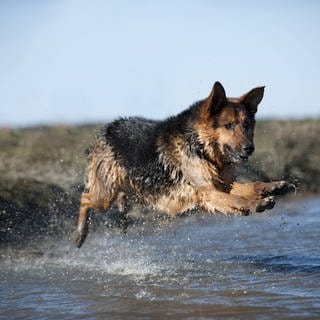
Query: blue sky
x,y
84,61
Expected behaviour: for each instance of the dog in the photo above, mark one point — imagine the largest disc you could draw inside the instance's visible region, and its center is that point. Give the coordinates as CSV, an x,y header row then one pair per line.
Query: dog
x,y
185,162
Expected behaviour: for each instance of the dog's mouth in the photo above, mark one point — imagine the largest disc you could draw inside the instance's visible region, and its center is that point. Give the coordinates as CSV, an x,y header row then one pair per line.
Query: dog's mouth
x,y
243,158
239,158
234,157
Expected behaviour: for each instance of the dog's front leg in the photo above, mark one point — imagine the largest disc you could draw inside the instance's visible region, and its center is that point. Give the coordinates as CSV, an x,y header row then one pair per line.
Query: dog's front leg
x,y
212,200
259,190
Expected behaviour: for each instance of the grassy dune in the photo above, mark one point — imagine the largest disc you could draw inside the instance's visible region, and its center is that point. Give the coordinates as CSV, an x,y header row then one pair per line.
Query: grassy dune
x,y
42,169
289,149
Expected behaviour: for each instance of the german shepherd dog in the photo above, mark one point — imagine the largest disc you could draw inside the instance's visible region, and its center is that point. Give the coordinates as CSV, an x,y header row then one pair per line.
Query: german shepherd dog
x,y
185,162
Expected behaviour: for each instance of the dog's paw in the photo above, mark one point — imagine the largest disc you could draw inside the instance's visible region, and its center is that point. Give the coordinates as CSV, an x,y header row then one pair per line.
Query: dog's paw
x,y
243,211
284,187
265,204
279,188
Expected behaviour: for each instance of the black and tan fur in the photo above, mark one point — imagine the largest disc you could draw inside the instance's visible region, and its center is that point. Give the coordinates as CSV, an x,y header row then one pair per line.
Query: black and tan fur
x,y
187,161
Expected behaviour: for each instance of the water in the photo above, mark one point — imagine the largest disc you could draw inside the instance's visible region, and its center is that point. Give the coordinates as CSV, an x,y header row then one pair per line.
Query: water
x,y
197,267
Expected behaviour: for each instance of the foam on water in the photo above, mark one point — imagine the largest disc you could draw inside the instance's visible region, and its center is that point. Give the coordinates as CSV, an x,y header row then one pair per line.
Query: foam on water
x,y
140,254
112,255
118,257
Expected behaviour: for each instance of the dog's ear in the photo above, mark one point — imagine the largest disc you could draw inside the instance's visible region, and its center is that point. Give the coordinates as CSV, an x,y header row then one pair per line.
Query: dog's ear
x,y
252,98
217,98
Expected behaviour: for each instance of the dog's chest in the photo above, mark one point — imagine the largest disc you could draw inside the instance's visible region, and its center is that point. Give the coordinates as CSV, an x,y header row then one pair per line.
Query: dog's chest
x,y
181,198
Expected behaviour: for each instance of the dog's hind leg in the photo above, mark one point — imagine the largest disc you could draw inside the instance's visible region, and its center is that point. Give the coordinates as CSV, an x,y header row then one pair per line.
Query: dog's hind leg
x,y
88,201
123,210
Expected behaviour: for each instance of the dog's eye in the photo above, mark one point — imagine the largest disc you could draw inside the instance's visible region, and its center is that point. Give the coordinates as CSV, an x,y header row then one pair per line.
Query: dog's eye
x,y
229,126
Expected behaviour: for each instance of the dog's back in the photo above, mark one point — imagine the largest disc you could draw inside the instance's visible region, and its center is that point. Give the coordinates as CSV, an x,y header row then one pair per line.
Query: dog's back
x,y
133,141
127,157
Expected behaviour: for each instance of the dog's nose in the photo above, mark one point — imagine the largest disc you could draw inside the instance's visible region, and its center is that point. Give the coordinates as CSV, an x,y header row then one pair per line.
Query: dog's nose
x,y
248,149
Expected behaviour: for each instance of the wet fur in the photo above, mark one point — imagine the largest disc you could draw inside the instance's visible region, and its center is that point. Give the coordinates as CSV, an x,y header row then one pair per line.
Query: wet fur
x,y
184,162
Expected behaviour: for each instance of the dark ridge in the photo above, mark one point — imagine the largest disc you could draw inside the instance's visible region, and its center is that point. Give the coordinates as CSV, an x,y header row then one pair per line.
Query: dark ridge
x,y
31,209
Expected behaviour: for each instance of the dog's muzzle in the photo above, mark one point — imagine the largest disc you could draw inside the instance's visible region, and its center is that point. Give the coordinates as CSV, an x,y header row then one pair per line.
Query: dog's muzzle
x,y
248,149
234,156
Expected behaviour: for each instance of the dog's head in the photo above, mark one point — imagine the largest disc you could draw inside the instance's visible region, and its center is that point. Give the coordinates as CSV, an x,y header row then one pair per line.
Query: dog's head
x,y
230,122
